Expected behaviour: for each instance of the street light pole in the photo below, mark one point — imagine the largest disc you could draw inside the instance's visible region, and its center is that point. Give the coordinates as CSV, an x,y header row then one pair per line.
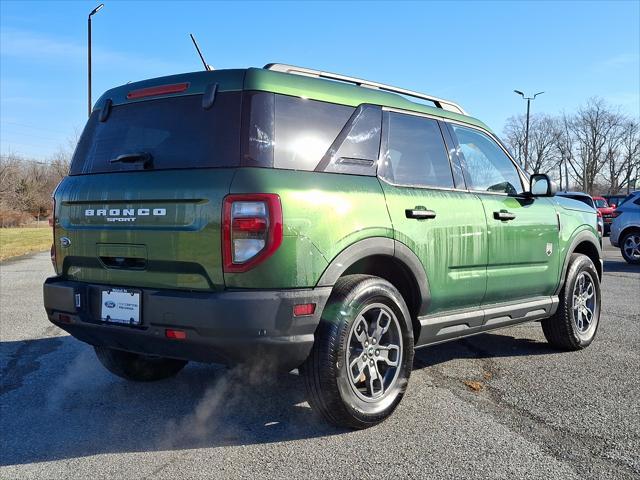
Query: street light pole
x,y
526,132
93,12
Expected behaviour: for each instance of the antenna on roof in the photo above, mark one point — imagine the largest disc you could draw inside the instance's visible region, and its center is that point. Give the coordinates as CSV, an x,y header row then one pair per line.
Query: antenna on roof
x,y
195,44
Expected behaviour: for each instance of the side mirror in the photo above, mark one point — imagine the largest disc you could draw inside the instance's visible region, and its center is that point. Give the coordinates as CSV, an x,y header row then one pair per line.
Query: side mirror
x,y
542,185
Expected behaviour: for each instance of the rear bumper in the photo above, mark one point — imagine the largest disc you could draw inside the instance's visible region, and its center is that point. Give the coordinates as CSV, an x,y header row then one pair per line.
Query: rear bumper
x,y
228,327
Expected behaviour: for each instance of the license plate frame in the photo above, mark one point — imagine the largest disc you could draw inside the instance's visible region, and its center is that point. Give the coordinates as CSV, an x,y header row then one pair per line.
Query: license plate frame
x,y
121,306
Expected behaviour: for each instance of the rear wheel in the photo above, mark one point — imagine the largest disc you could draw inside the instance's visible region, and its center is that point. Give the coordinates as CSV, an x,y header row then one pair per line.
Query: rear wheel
x,y
140,368
630,247
574,325
360,364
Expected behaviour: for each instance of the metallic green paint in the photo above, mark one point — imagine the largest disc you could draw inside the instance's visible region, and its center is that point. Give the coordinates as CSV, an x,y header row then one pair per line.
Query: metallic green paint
x,y
323,213
452,247
182,247
523,259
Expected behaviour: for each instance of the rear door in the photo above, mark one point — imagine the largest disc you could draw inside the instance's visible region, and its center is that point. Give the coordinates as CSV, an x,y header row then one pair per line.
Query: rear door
x,y
443,225
142,204
523,232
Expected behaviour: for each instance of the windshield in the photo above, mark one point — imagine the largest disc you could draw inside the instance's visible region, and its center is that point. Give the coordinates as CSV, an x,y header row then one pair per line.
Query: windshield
x,y
601,203
174,132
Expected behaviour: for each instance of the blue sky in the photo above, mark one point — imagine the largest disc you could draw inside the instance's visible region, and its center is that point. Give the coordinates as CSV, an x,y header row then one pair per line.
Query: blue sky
x,y
474,53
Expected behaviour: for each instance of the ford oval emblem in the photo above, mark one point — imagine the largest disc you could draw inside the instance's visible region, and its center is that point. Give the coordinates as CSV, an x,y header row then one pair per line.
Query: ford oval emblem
x,y
65,242
110,304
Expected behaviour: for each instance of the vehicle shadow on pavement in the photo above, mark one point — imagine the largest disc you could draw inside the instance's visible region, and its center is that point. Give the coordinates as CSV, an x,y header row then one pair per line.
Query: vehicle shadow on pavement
x,y
482,346
58,402
618,266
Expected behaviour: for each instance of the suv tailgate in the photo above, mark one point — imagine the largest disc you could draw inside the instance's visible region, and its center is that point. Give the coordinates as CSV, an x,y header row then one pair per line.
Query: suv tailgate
x,y
145,229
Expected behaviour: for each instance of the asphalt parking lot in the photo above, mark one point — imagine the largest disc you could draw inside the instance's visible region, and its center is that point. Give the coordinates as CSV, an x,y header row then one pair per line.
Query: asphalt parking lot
x,y
500,405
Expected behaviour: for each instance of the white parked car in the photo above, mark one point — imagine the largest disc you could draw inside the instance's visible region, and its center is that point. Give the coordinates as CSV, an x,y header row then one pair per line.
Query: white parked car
x,y
625,229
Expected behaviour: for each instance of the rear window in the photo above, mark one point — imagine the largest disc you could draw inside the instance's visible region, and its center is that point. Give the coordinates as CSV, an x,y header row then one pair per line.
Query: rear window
x,y
177,132
601,203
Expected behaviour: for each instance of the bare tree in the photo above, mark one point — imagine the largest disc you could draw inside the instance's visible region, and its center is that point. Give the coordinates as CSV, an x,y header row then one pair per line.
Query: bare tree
x,y
586,140
544,132
630,155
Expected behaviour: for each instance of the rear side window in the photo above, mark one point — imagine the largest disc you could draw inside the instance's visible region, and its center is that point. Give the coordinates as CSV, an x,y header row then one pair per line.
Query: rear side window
x,y
304,131
355,150
486,166
177,132
415,152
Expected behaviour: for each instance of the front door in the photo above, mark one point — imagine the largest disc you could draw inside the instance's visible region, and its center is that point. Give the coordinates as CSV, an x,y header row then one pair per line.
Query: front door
x,y
522,231
444,226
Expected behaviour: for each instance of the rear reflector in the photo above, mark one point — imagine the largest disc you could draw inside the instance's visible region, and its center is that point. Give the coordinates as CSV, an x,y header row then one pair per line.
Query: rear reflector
x,y
64,318
304,309
175,334
159,90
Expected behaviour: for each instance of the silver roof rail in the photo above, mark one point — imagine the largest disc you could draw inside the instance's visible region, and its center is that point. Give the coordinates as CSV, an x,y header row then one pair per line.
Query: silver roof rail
x,y
309,72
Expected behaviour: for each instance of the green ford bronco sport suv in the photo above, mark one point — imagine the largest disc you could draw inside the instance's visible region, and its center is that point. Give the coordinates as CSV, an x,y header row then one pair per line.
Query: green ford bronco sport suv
x,y
284,217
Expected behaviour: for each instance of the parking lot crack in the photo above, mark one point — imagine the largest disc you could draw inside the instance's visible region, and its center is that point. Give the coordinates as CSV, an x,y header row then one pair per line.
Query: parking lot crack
x,y
588,456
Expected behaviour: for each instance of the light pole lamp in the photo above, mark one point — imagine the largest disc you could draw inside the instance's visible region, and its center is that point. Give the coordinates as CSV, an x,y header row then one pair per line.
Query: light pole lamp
x,y
526,133
93,12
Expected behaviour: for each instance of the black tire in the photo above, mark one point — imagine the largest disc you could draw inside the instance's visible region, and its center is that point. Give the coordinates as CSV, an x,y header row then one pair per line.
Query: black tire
x,y
633,236
330,390
139,368
566,330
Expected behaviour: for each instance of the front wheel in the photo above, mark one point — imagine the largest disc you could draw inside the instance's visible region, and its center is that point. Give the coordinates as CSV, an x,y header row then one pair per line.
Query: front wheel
x,y
630,247
574,325
359,367
136,367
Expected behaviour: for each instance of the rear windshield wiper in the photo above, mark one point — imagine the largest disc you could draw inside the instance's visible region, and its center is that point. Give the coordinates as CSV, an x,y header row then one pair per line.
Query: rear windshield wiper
x,y
139,157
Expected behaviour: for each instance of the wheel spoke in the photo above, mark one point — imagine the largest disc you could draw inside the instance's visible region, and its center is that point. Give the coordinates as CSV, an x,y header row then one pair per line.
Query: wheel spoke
x,y
390,355
382,325
376,387
360,363
588,315
589,291
579,319
361,330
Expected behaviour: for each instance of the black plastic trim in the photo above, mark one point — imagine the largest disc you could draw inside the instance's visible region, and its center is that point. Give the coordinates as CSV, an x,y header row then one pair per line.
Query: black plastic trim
x,y
453,325
583,236
380,246
230,326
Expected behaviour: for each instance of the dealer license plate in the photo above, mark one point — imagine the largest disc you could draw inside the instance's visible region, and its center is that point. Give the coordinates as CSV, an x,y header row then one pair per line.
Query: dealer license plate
x,y
120,306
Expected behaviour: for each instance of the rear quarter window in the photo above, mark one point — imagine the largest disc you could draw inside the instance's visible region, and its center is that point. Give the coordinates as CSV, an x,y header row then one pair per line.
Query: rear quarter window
x,y
177,132
304,130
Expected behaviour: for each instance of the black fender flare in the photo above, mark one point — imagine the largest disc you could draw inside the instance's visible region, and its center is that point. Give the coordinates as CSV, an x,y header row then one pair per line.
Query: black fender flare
x,y
380,246
580,237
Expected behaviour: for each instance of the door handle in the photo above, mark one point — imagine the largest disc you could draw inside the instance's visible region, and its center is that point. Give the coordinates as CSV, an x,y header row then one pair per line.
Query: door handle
x,y
420,213
504,216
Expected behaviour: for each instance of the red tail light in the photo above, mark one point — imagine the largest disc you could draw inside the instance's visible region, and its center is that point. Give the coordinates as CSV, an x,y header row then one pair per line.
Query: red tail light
x,y
598,213
159,90
175,334
304,309
251,230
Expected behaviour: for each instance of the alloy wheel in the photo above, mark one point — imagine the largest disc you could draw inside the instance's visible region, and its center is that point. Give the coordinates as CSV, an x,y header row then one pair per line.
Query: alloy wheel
x,y
631,246
585,302
374,352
